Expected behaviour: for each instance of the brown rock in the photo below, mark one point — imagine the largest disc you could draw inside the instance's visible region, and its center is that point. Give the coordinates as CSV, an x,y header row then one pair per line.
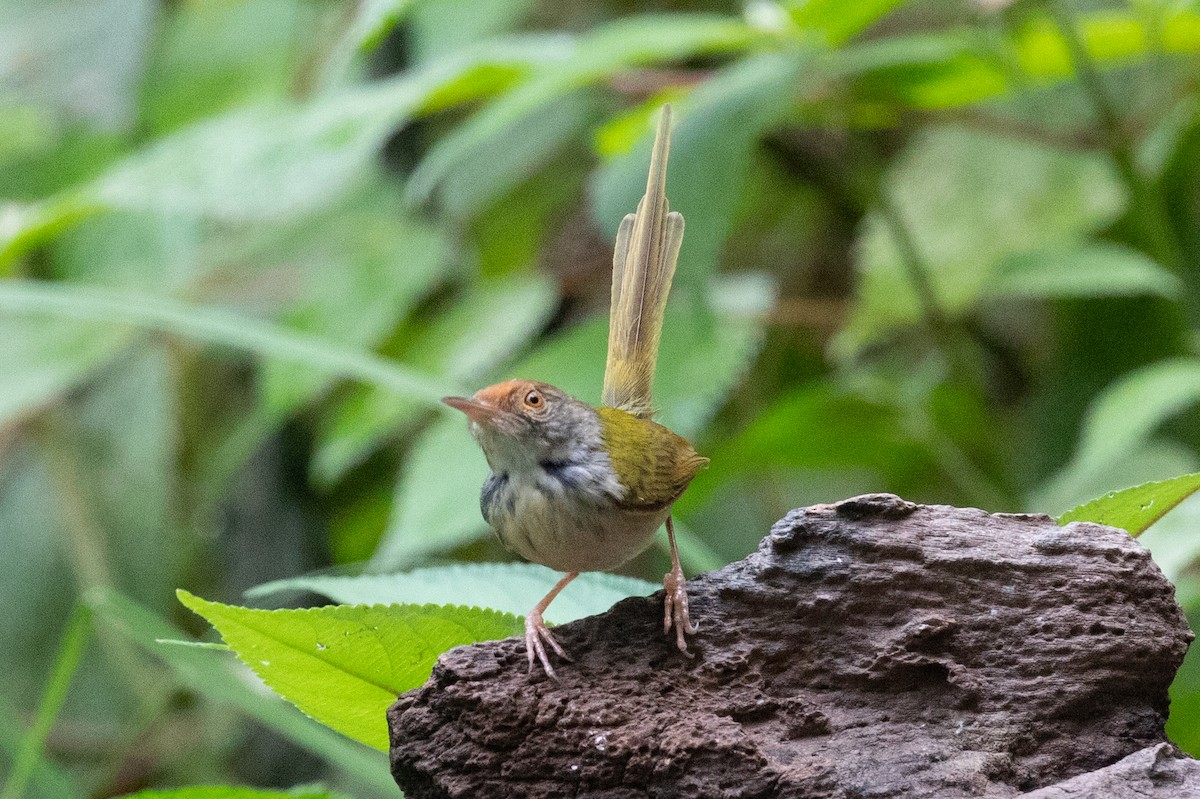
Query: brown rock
x,y
872,648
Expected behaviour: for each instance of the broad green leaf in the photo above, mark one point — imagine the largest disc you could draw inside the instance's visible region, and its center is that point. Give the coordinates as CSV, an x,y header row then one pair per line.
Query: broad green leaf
x,y
969,200
217,327
277,160
1092,270
1151,460
344,665
1173,542
1133,407
910,71
1116,440
267,162
218,678
442,26
1135,509
633,41
1160,145
839,21
370,24
234,792
507,587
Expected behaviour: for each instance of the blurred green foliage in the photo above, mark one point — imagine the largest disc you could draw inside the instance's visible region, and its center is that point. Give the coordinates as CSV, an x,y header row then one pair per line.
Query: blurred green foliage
x,y
944,248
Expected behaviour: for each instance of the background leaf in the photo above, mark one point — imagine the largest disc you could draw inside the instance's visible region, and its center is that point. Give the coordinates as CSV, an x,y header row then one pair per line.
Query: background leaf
x,y
507,587
956,193
230,792
1091,271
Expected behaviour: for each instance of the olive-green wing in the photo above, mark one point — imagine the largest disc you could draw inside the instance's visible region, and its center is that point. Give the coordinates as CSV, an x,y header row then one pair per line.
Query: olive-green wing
x,y
653,463
643,266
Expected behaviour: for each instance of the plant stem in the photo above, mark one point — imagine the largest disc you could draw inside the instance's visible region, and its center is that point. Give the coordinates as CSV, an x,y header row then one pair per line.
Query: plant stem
x,y
914,266
70,652
1149,210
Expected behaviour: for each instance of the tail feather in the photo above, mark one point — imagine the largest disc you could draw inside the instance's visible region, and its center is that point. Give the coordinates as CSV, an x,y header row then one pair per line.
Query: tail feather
x,y
643,266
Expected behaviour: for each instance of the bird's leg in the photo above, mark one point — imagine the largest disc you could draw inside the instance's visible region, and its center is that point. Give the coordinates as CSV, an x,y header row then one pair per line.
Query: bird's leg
x,y
675,601
536,631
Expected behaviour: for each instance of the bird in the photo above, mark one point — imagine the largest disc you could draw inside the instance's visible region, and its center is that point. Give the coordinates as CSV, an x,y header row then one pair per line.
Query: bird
x,y
580,488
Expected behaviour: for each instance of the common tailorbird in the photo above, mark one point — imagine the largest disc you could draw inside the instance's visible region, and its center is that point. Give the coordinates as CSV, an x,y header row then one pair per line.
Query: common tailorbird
x,y
579,488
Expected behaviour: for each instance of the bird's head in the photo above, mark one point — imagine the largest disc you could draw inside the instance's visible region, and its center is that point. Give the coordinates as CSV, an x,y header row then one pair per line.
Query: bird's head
x,y
520,423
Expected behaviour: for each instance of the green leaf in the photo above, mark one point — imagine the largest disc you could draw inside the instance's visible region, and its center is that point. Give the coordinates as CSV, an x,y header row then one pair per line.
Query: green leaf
x,y
278,159
837,20
45,357
78,60
1116,440
715,136
1125,414
1093,270
217,327
344,665
968,201
356,272
211,57
470,340
264,163
371,23
486,175
507,587
234,792
213,675
633,41
1176,547
436,504
438,27
1135,509
982,67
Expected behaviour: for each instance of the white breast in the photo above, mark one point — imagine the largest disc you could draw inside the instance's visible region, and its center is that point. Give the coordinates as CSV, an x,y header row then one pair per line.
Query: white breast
x,y
569,531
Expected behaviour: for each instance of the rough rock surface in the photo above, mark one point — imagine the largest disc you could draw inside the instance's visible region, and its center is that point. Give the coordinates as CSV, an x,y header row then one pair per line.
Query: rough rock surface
x,y
872,648
1156,772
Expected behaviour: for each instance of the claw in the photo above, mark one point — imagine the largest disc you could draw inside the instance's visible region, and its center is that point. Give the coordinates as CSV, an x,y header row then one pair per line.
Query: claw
x,y
537,635
675,609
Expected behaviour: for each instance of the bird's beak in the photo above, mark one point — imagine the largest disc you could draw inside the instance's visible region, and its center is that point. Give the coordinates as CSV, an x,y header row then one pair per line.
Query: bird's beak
x,y
476,410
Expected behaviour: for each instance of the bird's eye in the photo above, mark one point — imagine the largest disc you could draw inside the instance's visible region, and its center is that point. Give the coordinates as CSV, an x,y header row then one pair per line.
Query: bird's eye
x,y
534,399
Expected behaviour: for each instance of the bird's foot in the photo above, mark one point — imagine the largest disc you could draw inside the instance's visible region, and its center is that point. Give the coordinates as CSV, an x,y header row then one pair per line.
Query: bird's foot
x,y
675,608
537,635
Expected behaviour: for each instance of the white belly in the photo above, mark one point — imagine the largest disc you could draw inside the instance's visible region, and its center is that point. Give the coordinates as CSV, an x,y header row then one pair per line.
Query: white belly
x,y
558,530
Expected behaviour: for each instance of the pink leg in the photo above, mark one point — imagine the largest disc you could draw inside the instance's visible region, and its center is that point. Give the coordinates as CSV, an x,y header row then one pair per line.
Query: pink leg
x,y
675,603
536,632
